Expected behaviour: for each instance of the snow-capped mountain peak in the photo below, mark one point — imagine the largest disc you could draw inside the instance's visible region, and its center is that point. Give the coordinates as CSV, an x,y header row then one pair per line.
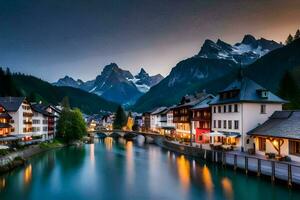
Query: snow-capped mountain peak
x,y
244,53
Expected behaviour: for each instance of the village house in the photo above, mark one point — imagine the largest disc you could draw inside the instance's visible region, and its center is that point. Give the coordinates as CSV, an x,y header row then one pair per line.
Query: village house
x,y
5,118
156,119
239,108
201,119
42,122
55,111
279,135
146,121
20,111
182,115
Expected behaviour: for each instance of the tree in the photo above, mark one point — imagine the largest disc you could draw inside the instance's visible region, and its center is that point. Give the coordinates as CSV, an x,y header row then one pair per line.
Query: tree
x,y
32,97
71,125
289,90
289,39
7,84
297,35
65,103
120,119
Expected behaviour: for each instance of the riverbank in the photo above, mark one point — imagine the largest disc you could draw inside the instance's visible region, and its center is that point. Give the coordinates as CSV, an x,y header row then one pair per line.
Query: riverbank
x,y
16,159
280,171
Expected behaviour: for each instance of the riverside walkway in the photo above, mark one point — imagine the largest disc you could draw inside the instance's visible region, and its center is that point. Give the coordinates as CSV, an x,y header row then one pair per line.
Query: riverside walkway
x,y
277,170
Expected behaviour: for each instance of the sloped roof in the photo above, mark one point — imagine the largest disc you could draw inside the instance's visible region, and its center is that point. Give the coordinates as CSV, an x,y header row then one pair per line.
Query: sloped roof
x,y
248,92
191,100
159,110
41,108
11,104
204,103
282,124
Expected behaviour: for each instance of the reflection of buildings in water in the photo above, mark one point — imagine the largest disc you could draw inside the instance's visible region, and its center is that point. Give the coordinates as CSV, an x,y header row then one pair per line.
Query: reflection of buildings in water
x,y
227,188
108,141
27,174
2,183
207,181
92,153
183,167
129,163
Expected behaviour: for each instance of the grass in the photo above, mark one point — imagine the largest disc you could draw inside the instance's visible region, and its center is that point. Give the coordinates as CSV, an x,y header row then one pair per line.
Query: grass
x,y
53,144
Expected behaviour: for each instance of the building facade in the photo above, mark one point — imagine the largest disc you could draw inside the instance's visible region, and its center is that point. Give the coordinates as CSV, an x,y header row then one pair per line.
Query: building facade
x,y
201,119
239,108
279,135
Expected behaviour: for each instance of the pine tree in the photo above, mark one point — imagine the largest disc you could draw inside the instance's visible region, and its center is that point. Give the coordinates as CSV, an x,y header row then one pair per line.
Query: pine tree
x,y
289,39
297,35
65,103
289,90
120,119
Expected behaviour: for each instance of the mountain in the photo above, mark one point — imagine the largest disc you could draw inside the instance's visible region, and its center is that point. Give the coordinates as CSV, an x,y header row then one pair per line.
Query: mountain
x,y
216,65
44,91
144,81
243,53
68,81
115,84
269,70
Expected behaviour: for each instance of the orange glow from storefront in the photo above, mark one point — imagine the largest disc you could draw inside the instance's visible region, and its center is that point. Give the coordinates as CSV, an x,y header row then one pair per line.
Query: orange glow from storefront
x,y
183,167
227,188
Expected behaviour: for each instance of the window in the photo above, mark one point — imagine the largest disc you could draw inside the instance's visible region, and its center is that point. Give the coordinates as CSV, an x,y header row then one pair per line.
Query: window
x,y
229,124
229,108
262,109
200,138
219,109
261,144
219,124
215,109
224,124
225,108
236,124
294,147
215,124
236,108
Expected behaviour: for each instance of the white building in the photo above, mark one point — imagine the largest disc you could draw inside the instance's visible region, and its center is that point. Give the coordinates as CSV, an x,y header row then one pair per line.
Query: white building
x,y
42,122
55,111
155,119
241,107
20,111
279,135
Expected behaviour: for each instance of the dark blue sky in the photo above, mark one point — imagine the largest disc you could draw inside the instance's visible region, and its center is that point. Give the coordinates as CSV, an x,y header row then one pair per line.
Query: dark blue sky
x,y
50,39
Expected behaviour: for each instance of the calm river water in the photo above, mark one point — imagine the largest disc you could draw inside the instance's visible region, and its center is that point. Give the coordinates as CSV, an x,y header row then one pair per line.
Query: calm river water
x,y
126,170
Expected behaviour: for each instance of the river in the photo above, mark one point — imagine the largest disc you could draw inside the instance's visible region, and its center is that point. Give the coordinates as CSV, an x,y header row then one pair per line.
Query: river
x,y
133,171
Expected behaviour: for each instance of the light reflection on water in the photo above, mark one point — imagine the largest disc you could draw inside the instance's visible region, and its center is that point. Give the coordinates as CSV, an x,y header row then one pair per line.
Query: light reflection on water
x,y
227,188
183,166
27,175
2,183
122,170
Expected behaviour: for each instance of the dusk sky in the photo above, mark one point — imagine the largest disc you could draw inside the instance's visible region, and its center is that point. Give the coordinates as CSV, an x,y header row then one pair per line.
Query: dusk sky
x,y
50,39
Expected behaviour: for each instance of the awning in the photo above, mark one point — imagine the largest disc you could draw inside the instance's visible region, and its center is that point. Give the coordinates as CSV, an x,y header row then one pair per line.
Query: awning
x,y
4,147
168,127
232,135
216,134
8,138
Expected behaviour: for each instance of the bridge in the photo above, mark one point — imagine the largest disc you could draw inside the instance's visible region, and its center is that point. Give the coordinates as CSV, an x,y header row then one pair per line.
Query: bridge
x,y
125,134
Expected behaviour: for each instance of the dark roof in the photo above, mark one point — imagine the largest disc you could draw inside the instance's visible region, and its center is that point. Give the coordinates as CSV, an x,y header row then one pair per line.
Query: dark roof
x,y
191,100
41,108
5,125
54,108
282,124
248,92
5,115
159,110
11,104
204,103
